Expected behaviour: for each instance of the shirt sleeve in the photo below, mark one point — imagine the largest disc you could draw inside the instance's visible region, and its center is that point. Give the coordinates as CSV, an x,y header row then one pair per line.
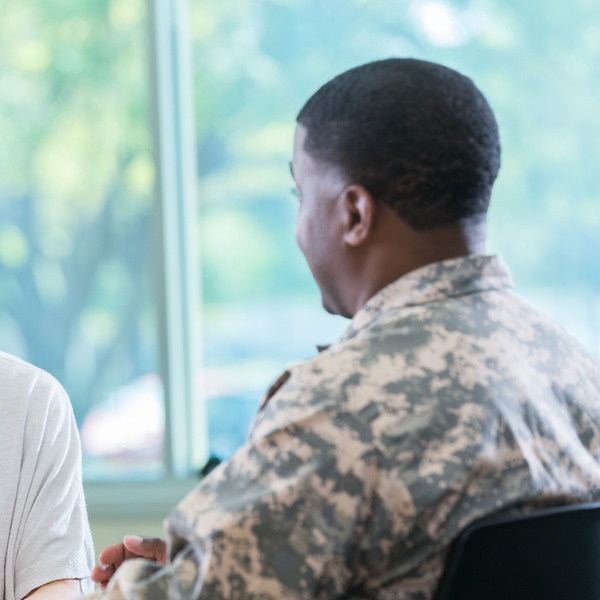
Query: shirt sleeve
x,y
53,538
283,518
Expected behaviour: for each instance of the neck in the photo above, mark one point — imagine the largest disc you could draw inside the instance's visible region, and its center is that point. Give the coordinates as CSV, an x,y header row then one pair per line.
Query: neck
x,y
404,249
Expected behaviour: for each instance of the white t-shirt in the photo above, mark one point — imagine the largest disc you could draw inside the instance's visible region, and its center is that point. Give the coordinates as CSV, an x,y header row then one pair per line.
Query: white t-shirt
x,y
44,531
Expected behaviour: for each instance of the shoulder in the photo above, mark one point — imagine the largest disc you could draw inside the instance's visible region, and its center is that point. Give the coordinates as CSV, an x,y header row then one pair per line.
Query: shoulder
x,y
14,369
334,390
27,389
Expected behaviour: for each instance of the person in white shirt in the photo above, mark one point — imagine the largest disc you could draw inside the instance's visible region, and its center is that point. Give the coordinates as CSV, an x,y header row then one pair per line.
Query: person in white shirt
x,y
46,547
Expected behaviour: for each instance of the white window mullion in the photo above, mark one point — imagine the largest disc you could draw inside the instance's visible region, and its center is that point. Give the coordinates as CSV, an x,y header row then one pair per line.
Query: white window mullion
x,y
175,162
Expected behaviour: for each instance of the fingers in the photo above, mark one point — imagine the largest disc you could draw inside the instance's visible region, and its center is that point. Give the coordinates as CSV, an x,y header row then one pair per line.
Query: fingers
x,y
114,554
152,548
102,573
112,557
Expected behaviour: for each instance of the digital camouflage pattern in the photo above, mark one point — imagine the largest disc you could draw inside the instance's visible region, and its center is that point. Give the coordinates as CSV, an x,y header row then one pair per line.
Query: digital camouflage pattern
x,y
447,399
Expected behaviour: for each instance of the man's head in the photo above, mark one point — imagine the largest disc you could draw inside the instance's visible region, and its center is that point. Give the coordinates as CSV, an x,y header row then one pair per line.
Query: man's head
x,y
419,144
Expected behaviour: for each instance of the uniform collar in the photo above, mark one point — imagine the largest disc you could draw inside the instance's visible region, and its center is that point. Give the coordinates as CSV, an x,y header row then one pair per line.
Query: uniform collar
x,y
437,281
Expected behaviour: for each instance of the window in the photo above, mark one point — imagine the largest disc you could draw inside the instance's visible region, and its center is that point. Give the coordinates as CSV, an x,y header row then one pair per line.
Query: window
x,y
77,258
166,315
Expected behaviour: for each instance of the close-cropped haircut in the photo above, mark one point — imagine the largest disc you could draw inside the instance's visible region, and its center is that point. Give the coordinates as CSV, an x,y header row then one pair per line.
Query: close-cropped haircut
x,y
418,136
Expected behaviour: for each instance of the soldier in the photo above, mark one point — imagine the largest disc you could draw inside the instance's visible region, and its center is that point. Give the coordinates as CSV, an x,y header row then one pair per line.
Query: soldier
x,y
447,399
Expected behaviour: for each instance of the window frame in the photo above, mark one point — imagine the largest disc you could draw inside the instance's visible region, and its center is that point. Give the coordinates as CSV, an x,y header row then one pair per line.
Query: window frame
x,y
178,291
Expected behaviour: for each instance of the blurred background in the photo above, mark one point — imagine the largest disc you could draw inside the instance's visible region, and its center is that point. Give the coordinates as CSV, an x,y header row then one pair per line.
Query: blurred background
x,y
99,207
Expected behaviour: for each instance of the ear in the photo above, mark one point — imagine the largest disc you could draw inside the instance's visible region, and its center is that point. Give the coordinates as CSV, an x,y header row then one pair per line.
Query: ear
x,y
359,215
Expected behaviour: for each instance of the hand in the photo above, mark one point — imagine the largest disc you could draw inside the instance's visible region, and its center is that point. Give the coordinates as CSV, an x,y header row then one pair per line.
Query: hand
x,y
112,557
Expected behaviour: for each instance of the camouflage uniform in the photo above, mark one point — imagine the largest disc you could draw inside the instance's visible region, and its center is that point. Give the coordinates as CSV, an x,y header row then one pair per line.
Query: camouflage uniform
x,y
447,399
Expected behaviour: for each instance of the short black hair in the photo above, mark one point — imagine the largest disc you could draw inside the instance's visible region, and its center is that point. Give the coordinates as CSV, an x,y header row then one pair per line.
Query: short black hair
x,y
419,136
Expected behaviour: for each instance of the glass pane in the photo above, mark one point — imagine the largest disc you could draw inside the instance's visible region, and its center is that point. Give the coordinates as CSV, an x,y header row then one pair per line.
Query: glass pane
x,y
256,63
77,291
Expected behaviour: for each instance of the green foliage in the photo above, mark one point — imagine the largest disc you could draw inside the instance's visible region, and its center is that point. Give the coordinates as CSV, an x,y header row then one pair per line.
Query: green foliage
x,y
75,189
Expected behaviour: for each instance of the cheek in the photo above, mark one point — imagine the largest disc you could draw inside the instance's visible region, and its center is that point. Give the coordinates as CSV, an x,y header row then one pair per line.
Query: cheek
x,y
300,232
297,234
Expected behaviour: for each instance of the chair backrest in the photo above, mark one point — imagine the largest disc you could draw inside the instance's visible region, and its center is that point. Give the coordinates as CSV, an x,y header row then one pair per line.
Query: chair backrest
x,y
550,554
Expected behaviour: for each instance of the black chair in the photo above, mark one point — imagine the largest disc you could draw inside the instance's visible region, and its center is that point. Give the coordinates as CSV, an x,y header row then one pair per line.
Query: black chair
x,y
550,554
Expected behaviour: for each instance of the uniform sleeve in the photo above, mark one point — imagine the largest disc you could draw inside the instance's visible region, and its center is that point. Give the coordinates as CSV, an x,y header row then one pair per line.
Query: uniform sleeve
x,y
283,518
53,539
